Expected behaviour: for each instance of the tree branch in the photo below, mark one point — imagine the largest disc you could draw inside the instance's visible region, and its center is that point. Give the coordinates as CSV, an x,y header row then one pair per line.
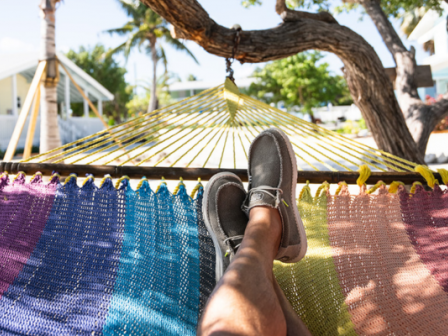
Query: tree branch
x,y
292,15
440,109
404,59
420,118
368,83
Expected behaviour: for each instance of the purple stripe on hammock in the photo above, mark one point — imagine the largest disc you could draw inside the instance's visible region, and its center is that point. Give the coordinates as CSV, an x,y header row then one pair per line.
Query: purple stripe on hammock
x,y
24,210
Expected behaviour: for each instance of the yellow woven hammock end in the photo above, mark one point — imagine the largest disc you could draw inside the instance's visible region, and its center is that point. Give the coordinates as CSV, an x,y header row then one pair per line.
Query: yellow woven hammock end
x,y
394,186
427,174
444,175
364,174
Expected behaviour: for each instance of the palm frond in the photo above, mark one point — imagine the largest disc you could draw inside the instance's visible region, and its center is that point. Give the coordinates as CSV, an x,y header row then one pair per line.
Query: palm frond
x,y
116,50
134,40
162,56
126,29
130,7
145,24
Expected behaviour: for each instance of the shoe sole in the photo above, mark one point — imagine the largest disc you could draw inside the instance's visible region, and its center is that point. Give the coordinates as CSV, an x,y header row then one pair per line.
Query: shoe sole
x,y
300,227
219,266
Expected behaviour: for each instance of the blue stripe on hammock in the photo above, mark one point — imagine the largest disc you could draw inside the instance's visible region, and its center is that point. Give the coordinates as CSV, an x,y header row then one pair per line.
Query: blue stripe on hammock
x,y
157,289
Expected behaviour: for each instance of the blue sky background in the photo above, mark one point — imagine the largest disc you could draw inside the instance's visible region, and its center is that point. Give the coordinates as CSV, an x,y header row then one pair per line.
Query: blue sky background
x,y
83,22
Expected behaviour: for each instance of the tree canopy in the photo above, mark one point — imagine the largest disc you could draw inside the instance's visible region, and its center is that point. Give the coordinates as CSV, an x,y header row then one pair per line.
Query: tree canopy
x,y
300,80
394,8
370,86
101,65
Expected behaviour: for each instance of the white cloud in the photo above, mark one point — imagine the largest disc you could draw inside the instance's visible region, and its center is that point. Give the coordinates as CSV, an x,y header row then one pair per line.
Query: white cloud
x,y
9,44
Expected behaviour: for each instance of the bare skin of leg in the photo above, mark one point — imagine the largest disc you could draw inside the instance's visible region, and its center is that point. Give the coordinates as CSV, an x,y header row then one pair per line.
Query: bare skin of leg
x,y
246,300
294,325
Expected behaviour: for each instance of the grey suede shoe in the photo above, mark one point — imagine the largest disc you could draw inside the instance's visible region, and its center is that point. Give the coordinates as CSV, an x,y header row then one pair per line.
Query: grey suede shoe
x,y
272,183
223,217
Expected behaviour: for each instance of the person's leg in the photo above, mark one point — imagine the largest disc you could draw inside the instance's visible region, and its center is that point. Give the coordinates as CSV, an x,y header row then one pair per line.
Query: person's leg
x,y
244,301
294,325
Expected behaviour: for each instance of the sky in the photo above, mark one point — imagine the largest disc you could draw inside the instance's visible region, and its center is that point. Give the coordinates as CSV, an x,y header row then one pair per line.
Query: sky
x,y
84,22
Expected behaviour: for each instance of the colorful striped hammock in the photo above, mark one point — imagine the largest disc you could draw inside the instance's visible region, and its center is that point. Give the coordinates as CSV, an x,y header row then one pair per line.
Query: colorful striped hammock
x,y
114,261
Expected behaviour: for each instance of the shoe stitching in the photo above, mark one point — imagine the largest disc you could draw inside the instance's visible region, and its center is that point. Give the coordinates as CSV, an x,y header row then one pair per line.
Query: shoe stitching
x,y
292,177
298,221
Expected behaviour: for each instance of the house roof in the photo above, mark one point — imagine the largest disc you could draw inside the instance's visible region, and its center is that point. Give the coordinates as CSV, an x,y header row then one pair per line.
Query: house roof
x,y
203,85
26,65
424,31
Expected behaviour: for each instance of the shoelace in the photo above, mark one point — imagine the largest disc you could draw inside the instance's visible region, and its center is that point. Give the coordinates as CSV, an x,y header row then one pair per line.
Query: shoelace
x,y
264,189
229,247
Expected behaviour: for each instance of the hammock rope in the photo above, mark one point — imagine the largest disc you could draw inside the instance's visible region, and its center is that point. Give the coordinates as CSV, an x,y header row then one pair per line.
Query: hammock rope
x,y
215,129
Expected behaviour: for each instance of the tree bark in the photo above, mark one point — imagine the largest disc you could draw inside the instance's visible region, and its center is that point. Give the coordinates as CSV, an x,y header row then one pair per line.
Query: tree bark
x,y
421,119
368,83
153,102
49,129
293,15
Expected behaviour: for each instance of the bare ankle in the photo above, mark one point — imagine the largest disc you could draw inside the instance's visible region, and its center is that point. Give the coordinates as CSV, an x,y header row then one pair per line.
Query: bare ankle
x,y
266,215
265,222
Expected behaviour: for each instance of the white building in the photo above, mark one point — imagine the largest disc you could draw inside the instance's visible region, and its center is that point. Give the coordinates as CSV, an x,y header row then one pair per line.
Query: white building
x,y
16,74
182,90
433,27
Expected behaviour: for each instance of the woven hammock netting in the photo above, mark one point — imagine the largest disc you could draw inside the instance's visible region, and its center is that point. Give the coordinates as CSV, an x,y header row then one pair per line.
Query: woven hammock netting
x,y
110,259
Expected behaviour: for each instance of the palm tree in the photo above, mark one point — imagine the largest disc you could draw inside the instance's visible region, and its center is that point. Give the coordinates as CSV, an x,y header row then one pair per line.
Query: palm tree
x,y
145,29
49,130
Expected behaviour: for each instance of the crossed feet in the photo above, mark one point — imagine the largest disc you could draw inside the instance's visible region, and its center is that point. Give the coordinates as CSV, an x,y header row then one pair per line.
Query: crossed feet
x,y
251,230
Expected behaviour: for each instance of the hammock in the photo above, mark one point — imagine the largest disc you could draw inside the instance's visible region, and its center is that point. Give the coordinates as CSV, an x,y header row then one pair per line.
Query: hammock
x,y
111,260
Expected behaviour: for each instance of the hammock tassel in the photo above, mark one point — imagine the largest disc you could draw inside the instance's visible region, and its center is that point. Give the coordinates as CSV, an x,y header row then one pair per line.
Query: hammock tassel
x,y
70,177
340,186
364,174
393,189
37,174
324,186
427,174
375,187
414,186
141,182
106,177
87,179
161,182
181,183
20,173
121,179
305,189
196,188
444,175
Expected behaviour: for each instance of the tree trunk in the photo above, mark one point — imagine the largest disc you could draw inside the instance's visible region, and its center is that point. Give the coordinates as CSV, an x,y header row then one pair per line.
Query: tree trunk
x,y
368,83
153,102
421,119
49,129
